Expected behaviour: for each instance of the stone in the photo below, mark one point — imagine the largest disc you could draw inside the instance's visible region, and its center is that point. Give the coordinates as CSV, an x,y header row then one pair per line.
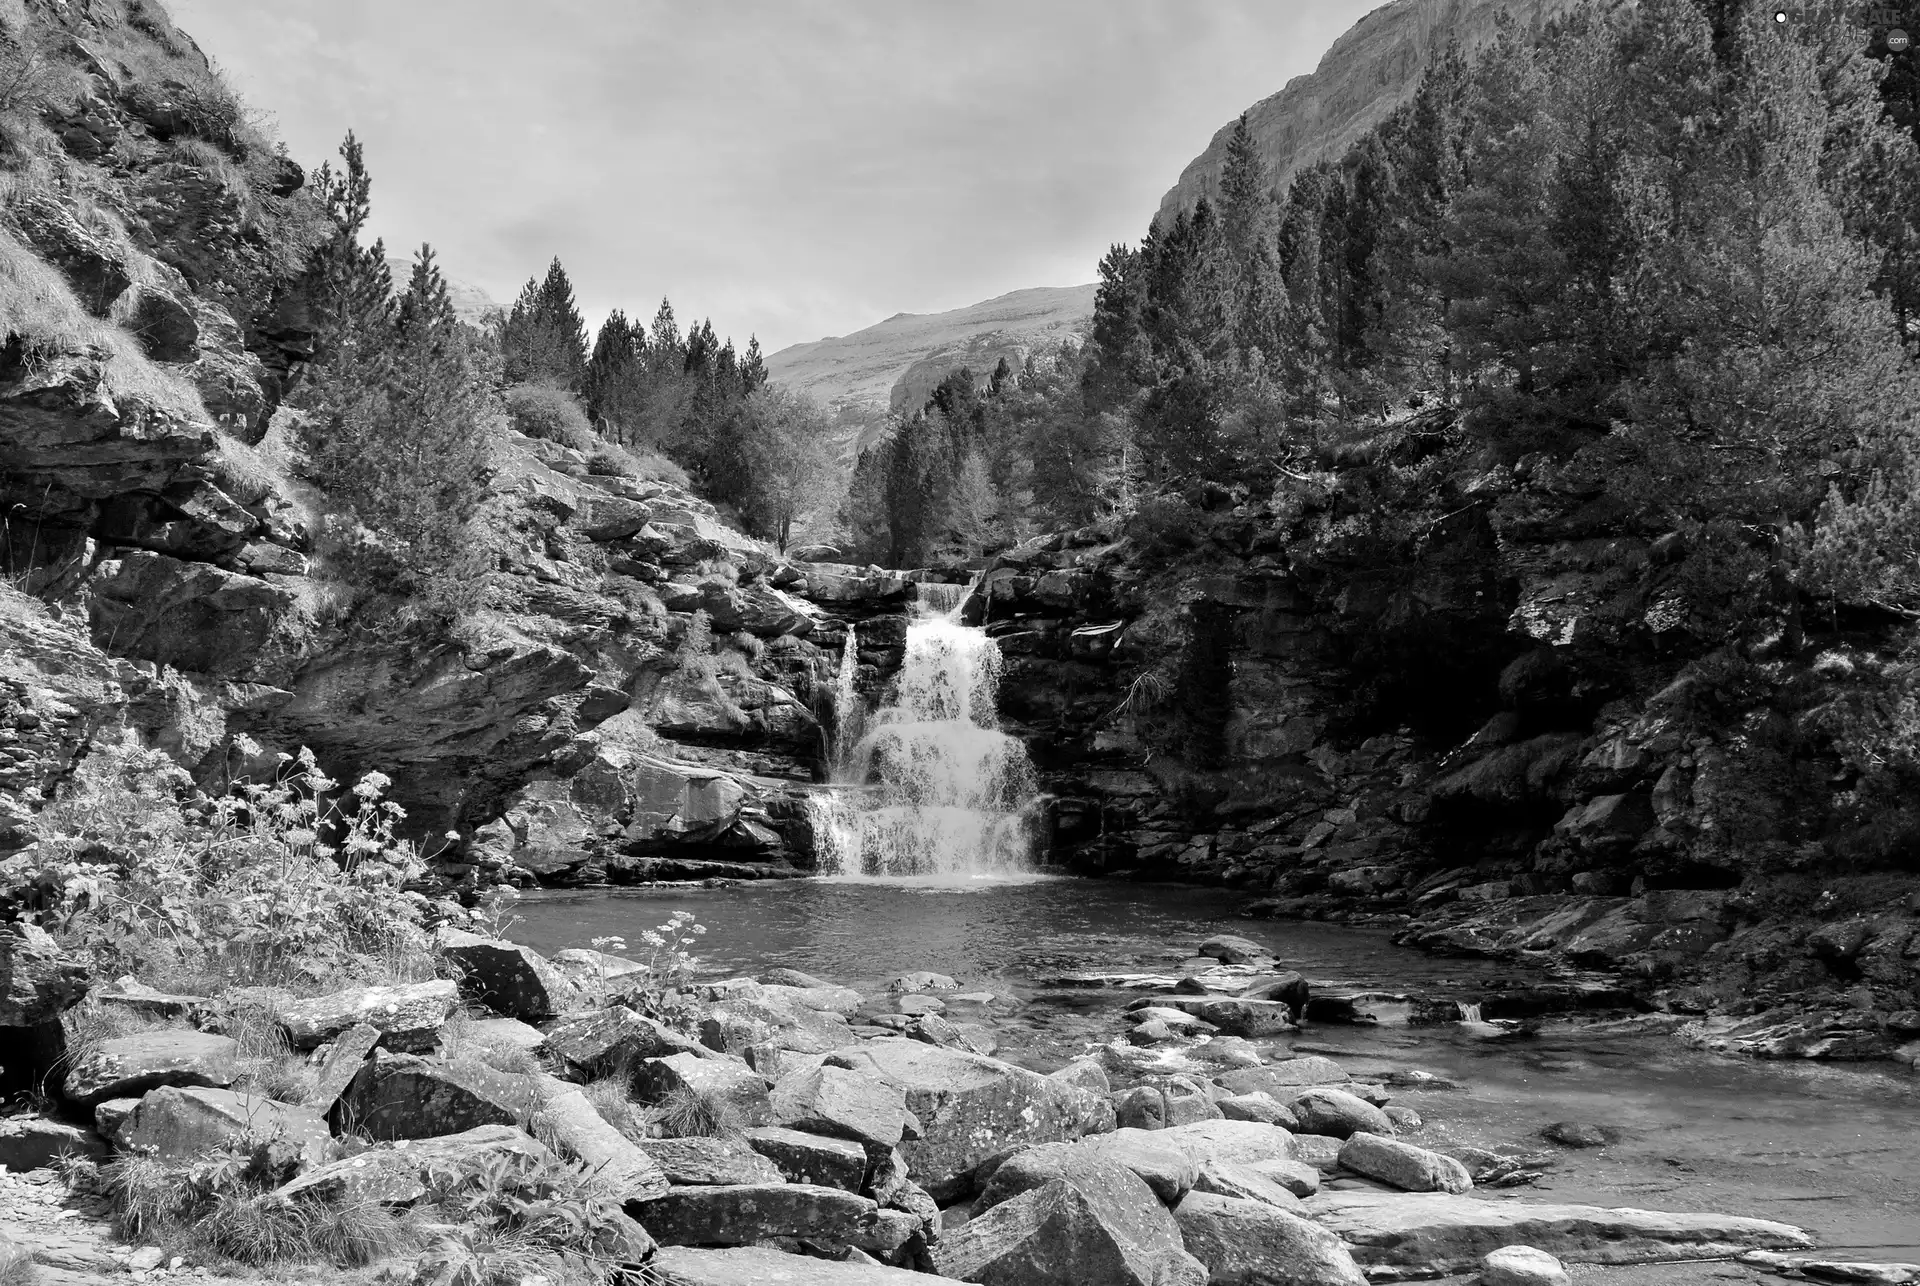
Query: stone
x,y
922,981
1168,1170
1405,1119
743,1214
343,1062
1437,1233
783,977
1151,1107
1404,1166
1318,1151
970,1106
1257,1106
1251,1243
408,1017
130,1065
595,972
110,1116
824,998
1244,1017
1324,1110
1286,1077
38,980
508,978
603,1040
29,1142
725,1081
811,1158
1230,948
1521,1266
405,1096
509,1033
128,992
710,1161
765,1266
569,1119
1112,1232
1298,1176
1227,1051
1084,1073
935,1030
1577,1134
395,1174
1289,989
1224,1179
834,1101
915,1006
179,1123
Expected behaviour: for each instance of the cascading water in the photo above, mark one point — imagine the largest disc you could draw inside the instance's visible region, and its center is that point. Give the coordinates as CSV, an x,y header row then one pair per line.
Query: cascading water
x,y
931,786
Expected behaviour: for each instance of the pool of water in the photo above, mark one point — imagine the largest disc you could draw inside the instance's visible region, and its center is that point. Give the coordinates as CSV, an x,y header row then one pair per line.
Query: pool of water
x,y
1833,1148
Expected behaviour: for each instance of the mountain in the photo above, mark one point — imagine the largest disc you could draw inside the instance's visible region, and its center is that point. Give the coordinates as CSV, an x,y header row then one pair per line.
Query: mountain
x,y
473,305
873,369
1372,69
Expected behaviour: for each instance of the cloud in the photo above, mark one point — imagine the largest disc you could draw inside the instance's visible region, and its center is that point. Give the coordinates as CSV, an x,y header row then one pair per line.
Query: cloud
x,y
794,168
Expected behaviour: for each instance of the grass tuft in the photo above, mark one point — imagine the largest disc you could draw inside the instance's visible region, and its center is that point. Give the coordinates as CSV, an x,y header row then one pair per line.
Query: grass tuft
x,y
689,1114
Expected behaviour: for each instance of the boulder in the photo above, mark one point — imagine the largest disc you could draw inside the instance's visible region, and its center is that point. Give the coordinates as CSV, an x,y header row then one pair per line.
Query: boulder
x,y
1084,1073
131,1065
395,1175
1110,1231
177,1124
1405,1119
1521,1266
342,1064
38,980
1167,1169
1289,989
1152,1107
811,1158
1286,1077
1257,1106
823,997
508,978
710,1161
29,1142
109,1117
1227,1051
744,1214
1435,1233
1577,1134
970,1106
1223,1179
1299,1176
1237,1017
922,980
408,1017
765,1266
1231,948
1319,1151
847,1105
1404,1166
1251,1243
1336,1113
726,1082
594,1043
1245,1143
404,1096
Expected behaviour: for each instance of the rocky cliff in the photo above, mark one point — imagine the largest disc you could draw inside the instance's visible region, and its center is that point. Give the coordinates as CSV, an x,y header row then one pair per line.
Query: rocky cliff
x,y
1372,69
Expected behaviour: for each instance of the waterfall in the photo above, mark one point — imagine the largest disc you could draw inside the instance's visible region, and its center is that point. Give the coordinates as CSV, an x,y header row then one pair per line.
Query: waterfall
x,y
1469,1013
846,699
932,787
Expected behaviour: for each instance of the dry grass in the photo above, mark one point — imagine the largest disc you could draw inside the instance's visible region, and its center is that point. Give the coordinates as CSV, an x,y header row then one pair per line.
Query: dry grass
x,y
612,1098
38,308
688,1114
462,1039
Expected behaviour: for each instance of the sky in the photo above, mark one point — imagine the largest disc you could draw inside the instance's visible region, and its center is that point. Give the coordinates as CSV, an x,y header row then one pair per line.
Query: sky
x,y
790,168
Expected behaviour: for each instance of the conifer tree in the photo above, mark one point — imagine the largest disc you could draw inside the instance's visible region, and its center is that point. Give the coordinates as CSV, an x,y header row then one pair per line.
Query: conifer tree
x,y
544,340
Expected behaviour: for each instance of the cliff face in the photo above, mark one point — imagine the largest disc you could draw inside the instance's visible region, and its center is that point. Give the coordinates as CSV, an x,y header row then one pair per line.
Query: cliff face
x,y
1372,69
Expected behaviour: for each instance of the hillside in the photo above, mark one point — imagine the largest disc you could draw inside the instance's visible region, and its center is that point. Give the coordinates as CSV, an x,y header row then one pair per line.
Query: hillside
x,y
859,371
1369,71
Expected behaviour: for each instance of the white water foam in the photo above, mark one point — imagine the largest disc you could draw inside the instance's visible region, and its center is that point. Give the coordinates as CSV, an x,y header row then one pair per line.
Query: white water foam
x,y
931,788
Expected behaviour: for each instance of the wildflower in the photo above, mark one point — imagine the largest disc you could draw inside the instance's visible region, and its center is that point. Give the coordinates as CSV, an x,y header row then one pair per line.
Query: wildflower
x,y
454,836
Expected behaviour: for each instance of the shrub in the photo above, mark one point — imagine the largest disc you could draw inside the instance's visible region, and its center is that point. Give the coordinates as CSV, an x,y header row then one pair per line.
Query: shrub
x,y
520,1218
276,881
541,411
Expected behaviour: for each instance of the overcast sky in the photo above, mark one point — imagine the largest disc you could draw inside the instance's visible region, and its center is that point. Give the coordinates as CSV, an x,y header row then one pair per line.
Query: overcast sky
x,y
791,168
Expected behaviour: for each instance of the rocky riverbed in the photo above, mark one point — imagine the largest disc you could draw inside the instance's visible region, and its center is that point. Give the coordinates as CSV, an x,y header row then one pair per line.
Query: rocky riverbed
x,y
783,1128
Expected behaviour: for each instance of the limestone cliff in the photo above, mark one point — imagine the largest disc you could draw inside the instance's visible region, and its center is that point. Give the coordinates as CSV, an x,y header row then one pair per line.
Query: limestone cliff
x,y
1372,69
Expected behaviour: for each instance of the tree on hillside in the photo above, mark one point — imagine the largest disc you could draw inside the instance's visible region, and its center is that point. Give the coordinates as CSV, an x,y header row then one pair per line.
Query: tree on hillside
x,y
544,339
789,440
349,286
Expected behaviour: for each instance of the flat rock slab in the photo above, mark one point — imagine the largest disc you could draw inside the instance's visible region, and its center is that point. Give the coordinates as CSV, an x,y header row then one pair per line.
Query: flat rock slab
x,y
128,992
811,1158
1235,1142
403,1096
710,1161
29,1142
178,1123
395,1175
132,1065
765,1266
342,1064
1285,1078
847,1105
606,1039
408,1017
1441,1233
744,1214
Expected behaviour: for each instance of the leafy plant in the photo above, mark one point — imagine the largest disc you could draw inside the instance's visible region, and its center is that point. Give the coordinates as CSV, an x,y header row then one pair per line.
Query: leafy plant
x,y
520,1216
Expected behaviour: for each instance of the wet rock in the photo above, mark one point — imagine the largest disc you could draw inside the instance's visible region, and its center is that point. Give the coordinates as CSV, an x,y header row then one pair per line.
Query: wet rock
x,y
1222,1179
970,1106
594,1043
710,1161
824,998
1247,1143
1227,1051
725,1081
408,1017
1257,1106
921,981
177,1124
405,1096
130,1065
744,1214
1285,1078
1405,1119
765,1266
1437,1234
29,1142
1234,949
1521,1266
1325,1110
1250,1018
1251,1243
396,1175
1166,1168
842,1104
508,978
1299,1176
1404,1166
343,1062
1084,1073
1111,1231
935,1030
811,1158
1318,1151
1178,1101
1577,1134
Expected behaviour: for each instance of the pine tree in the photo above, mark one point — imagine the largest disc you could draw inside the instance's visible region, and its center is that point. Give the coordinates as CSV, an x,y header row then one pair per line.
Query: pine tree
x,y
753,367
544,339
349,286
616,372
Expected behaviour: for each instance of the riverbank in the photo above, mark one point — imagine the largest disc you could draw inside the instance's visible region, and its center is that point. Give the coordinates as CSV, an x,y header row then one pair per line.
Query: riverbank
x,y
961,1124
